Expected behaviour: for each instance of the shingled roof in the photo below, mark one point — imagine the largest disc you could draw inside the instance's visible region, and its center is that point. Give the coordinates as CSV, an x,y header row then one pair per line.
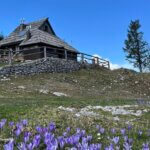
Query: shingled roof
x,y
37,36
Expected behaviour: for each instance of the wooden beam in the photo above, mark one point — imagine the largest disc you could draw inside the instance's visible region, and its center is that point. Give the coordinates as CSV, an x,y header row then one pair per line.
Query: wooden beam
x,y
82,57
98,60
45,53
10,57
66,55
108,65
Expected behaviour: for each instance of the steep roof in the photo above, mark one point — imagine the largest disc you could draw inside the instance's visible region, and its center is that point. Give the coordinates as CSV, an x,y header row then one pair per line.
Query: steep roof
x,y
37,36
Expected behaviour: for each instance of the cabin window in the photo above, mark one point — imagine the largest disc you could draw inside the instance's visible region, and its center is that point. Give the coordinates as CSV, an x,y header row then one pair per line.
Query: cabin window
x,y
46,28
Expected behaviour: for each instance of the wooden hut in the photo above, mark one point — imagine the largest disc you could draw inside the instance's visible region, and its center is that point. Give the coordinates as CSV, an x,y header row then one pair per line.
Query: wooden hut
x,y
31,41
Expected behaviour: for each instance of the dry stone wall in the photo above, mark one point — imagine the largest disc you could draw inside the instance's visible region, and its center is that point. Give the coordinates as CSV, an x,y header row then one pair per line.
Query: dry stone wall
x,y
41,66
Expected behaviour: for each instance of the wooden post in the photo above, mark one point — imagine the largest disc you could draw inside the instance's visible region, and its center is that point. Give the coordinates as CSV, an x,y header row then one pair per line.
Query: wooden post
x,y
82,57
97,61
93,60
10,57
108,65
45,53
66,54
4,53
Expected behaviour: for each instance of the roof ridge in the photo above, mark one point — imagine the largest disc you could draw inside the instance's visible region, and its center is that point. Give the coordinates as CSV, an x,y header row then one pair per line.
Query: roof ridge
x,y
39,20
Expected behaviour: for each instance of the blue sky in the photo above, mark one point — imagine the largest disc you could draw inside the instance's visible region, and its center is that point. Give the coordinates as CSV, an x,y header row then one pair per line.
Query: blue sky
x,y
91,26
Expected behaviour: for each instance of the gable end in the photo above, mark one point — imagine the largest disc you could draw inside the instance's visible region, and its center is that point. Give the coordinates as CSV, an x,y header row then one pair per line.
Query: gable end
x,y
47,28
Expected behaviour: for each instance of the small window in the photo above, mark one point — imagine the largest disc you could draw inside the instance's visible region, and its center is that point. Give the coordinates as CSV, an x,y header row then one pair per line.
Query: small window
x,y
46,28
22,33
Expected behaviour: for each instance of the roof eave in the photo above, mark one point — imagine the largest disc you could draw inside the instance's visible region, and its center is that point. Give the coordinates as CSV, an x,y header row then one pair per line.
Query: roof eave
x,y
21,45
10,44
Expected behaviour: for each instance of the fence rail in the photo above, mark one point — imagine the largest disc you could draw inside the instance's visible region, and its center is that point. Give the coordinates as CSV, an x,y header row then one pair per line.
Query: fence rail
x,y
94,60
10,57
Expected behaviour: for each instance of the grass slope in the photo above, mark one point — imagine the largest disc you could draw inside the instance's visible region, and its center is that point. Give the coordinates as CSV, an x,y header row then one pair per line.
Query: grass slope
x,y
20,97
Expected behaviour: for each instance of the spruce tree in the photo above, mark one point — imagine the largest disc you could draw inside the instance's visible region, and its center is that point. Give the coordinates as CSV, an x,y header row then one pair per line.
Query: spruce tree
x,y
136,48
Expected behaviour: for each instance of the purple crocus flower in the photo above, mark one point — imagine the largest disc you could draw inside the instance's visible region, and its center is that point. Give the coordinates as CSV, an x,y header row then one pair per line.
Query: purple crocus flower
x,y
83,133
17,132
27,136
123,131
73,148
129,127
38,129
45,129
4,120
10,145
11,124
2,123
50,147
61,142
36,141
111,147
22,146
125,138
84,145
30,146
68,129
25,122
113,131
52,126
53,145
130,141
47,138
98,146
19,126
26,139
117,148
97,127
145,147
127,146
89,138
84,140
116,139
78,130
95,146
73,140
140,132
101,130
65,134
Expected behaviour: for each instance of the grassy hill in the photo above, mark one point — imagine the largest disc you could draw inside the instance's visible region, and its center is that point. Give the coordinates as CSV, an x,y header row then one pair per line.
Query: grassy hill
x,y
32,97
93,83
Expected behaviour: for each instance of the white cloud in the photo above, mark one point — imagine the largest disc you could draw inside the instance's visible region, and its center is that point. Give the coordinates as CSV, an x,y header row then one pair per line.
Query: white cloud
x,y
114,66
127,65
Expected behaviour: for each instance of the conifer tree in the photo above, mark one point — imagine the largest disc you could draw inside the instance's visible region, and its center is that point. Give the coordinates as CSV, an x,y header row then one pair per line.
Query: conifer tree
x,y
136,48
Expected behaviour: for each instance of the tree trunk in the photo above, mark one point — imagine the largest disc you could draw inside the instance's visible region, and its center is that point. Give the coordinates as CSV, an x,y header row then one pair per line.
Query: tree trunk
x,y
139,58
140,68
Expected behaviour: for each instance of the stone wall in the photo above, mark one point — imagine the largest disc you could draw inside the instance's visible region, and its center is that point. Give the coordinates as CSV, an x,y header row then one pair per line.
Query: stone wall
x,y
41,66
